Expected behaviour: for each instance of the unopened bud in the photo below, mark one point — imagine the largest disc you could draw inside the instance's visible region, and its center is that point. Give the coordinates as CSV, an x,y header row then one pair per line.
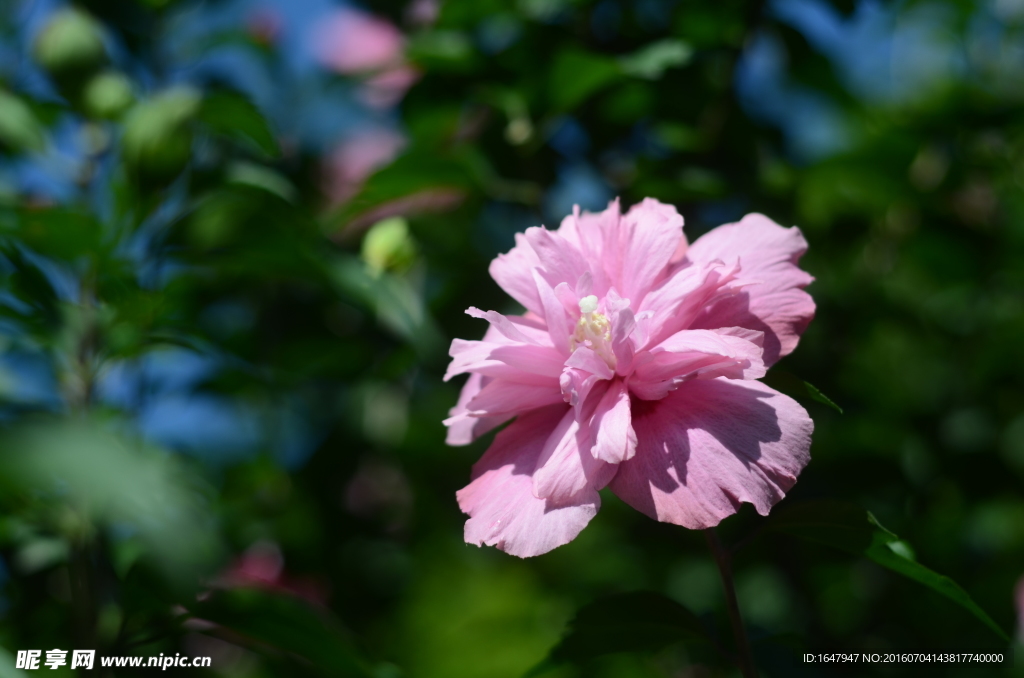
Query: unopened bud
x,y
388,245
108,95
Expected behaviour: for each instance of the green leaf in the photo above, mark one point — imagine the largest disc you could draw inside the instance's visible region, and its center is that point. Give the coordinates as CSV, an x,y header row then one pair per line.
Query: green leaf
x,y
815,394
797,388
19,128
651,62
852,529
58,232
576,75
285,624
251,174
114,480
626,622
398,306
235,117
420,180
8,665
441,50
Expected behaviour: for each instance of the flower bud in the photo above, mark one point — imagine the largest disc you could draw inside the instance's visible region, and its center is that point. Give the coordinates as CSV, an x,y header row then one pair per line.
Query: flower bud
x,y
388,245
108,95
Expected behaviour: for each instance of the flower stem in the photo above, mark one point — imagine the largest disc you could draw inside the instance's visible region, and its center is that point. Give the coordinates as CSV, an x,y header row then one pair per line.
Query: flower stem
x,y
724,561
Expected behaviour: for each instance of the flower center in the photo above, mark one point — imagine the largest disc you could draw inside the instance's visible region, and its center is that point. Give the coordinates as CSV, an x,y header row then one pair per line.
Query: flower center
x,y
593,331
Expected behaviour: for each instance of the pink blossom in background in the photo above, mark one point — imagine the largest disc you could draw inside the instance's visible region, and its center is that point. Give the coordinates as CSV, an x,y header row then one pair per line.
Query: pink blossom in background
x,y
350,41
423,12
356,158
262,567
387,88
634,367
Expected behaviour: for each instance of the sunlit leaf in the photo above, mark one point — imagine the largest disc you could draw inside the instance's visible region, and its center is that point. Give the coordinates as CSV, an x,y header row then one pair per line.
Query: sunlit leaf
x,y
19,128
441,50
797,388
8,665
852,529
816,394
113,480
652,61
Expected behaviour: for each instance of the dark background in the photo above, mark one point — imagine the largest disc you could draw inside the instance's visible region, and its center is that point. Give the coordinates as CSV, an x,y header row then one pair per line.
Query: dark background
x,y
236,238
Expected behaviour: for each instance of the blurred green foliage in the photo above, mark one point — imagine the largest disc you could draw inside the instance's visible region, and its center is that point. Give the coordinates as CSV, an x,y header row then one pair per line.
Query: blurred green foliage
x,y
313,529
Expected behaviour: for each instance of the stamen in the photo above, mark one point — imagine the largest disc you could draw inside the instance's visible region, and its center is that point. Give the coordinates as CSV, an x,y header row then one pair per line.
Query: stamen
x,y
593,330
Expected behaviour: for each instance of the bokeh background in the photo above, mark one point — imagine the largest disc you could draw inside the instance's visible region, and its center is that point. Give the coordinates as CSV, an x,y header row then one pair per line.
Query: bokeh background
x,y
237,236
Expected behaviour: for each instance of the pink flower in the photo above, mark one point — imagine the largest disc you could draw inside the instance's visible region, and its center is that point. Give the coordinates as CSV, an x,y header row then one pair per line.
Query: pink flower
x,y
356,158
634,367
350,41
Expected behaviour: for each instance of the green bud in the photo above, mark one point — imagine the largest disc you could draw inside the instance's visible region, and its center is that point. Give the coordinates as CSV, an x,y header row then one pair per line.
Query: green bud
x,y
388,245
70,45
157,140
108,95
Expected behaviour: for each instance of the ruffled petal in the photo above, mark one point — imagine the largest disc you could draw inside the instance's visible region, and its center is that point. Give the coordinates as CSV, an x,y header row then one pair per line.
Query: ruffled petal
x,y
710,446
697,354
611,426
526,363
677,301
583,370
500,502
499,397
777,304
560,260
566,470
463,428
593,234
649,235
513,271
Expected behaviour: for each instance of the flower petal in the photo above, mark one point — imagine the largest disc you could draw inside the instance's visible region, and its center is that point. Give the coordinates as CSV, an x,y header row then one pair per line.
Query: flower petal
x,y
674,303
649,235
503,509
462,428
566,470
554,315
710,446
594,234
696,354
526,363
583,370
615,440
504,325
776,304
500,397
513,271
560,260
